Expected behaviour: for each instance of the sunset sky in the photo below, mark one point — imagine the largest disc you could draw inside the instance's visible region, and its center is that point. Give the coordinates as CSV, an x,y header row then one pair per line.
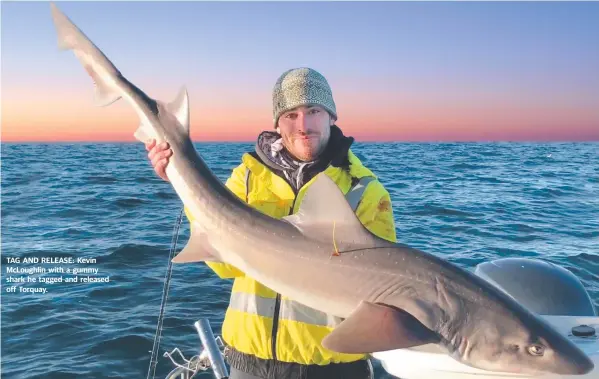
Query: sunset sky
x,y
401,71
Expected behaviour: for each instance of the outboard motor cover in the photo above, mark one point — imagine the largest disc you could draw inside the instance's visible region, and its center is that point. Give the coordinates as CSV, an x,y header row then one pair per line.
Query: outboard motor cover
x,y
542,287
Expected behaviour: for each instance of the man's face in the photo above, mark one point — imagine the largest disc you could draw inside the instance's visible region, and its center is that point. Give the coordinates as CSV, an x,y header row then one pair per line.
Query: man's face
x,y
305,131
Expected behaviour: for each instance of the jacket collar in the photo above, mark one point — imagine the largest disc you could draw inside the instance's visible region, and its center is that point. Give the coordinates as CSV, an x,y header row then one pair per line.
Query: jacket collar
x,y
271,152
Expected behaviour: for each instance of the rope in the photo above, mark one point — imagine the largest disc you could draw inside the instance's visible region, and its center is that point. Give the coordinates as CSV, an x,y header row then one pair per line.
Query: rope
x,y
167,281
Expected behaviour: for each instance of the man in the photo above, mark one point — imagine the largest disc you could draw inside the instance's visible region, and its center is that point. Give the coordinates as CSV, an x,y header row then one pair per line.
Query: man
x,y
269,335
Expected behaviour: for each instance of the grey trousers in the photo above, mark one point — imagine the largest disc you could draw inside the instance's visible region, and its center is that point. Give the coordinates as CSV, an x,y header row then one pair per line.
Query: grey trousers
x,y
236,374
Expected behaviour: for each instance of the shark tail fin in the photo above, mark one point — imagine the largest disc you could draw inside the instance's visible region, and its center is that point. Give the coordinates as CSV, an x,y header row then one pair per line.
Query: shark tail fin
x,y
103,73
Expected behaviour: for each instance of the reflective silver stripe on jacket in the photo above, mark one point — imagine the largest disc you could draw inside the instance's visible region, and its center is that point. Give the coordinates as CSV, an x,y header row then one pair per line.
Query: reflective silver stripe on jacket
x,y
354,195
290,310
252,303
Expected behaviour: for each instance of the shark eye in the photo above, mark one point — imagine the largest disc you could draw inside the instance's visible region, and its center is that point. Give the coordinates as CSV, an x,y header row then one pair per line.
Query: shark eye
x,y
536,350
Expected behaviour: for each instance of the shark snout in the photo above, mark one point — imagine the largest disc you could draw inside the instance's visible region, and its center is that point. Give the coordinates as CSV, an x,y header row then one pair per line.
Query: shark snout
x,y
574,363
580,368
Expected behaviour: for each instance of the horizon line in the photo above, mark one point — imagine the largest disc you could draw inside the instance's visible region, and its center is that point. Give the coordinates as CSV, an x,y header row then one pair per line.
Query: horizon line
x,y
253,141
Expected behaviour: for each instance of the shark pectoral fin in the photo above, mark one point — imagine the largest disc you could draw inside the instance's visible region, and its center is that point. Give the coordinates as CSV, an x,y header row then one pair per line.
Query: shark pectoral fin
x,y
198,249
374,327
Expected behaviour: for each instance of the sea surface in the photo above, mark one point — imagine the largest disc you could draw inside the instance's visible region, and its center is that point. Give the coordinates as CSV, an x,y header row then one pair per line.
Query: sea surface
x,y
465,202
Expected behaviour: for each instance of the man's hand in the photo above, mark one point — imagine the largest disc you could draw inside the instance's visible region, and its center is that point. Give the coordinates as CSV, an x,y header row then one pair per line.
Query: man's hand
x,y
159,155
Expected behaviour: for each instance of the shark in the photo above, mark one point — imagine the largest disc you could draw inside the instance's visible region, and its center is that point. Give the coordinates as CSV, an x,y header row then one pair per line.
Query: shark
x,y
387,294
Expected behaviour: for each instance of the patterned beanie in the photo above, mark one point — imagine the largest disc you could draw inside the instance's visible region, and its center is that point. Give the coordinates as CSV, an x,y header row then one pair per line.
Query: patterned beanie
x,y
301,86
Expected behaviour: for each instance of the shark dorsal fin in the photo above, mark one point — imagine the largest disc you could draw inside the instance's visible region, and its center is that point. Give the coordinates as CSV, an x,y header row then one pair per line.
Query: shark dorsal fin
x,y
180,109
325,215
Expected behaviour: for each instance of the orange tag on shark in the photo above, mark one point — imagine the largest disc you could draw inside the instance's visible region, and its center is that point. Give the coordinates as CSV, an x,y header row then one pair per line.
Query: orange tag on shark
x,y
336,252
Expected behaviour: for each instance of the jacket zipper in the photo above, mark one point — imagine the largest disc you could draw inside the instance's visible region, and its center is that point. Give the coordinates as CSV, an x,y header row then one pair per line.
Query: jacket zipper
x,y
275,321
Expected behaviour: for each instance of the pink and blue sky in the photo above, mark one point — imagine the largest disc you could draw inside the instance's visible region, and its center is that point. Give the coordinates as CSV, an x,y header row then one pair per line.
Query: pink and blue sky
x,y
401,71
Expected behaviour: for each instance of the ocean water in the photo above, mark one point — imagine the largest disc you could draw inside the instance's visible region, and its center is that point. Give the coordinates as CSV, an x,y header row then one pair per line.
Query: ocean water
x,y
466,202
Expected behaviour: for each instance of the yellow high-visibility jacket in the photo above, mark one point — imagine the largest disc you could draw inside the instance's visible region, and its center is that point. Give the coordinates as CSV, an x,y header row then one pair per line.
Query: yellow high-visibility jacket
x,y
263,323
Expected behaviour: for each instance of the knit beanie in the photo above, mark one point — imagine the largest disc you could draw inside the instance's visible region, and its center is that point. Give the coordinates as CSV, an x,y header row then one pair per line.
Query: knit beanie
x,y
301,86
